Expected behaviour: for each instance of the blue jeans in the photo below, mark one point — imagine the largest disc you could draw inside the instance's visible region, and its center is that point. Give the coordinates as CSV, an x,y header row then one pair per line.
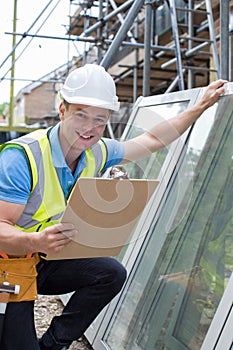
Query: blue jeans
x,y
95,283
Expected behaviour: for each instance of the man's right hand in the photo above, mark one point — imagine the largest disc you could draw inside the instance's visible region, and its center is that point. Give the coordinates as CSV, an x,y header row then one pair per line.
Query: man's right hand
x,y
18,243
54,238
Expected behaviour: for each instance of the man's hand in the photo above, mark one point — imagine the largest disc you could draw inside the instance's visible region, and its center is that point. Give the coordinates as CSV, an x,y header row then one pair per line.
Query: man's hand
x,y
18,243
212,93
53,238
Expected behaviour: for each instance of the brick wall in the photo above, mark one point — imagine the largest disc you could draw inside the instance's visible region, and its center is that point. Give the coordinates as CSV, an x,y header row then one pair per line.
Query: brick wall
x,y
39,102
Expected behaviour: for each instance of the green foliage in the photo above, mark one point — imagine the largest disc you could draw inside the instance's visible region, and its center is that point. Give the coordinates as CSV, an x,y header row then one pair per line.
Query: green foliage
x,y
3,108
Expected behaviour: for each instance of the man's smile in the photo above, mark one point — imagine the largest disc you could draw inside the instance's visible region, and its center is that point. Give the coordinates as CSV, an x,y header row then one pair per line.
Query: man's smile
x,y
85,137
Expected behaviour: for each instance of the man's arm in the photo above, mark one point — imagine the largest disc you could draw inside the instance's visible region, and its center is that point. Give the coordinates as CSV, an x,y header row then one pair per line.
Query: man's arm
x,y
18,243
14,191
166,132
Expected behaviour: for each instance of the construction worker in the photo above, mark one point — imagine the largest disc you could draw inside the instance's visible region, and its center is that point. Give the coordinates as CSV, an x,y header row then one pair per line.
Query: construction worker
x,y
38,172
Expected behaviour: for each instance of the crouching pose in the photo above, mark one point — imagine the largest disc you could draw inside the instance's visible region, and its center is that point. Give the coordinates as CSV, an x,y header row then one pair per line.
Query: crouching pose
x,y
37,173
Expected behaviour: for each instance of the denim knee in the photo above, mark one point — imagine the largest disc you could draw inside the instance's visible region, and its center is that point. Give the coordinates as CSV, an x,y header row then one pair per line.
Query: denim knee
x,y
115,275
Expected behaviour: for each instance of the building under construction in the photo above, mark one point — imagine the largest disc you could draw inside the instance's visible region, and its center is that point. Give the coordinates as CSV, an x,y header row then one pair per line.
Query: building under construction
x,y
149,47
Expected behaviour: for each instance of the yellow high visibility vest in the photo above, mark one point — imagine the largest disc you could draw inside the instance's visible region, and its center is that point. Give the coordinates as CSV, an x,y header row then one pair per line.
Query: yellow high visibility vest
x,y
47,202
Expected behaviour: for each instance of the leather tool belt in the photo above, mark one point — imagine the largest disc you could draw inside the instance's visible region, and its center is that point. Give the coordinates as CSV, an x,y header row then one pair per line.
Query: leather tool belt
x,y
20,271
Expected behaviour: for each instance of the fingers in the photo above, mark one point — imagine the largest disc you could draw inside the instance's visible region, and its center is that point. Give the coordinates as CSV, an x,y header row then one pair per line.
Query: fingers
x,y
218,83
59,244
66,229
55,238
213,91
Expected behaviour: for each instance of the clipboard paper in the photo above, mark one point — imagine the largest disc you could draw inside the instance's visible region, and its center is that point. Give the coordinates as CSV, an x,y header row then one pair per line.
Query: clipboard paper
x,y
104,211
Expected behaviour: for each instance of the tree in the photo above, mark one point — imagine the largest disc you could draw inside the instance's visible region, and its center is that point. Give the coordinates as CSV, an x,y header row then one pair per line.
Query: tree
x,y
4,108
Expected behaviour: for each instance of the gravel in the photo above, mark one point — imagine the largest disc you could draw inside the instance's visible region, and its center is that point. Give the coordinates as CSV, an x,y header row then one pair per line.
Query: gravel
x,y
45,308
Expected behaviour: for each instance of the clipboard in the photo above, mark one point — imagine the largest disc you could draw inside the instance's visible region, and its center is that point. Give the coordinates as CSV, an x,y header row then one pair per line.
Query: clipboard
x,y
104,211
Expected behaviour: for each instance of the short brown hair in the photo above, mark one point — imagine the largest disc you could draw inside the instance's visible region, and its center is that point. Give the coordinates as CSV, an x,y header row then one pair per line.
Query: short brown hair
x,y
67,104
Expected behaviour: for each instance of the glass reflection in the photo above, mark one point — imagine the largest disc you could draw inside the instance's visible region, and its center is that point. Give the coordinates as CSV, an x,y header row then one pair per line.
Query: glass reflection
x,y
145,119
179,279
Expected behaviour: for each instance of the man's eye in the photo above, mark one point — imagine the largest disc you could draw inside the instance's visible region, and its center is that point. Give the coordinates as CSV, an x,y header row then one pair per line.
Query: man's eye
x,y
80,115
100,121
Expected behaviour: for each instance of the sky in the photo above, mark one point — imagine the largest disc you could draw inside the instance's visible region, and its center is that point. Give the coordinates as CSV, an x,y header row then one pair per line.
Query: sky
x,y
42,55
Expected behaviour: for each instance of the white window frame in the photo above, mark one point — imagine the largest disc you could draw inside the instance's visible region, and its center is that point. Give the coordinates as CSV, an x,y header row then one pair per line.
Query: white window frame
x,y
220,334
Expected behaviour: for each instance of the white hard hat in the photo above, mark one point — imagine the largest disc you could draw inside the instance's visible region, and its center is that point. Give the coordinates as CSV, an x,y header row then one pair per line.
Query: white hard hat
x,y
90,85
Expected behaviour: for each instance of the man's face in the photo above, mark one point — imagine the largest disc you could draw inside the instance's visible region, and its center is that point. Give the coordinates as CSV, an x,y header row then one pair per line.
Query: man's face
x,y
82,126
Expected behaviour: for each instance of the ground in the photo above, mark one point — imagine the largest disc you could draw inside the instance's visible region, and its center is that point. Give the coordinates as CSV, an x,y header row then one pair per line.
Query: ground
x,y
45,308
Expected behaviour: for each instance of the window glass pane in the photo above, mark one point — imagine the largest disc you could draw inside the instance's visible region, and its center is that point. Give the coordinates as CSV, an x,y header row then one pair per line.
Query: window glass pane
x,y
145,119
179,278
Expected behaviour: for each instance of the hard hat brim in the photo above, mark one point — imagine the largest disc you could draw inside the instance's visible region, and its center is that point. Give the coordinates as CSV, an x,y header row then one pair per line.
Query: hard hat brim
x,y
91,102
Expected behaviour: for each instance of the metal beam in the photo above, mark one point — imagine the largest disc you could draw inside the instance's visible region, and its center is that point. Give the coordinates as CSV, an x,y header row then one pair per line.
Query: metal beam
x,y
121,19
11,106
191,77
95,41
224,39
135,68
172,7
121,34
107,18
147,42
213,36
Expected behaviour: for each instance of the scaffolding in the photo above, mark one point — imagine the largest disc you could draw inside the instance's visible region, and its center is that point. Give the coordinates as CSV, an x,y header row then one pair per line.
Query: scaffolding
x,y
151,46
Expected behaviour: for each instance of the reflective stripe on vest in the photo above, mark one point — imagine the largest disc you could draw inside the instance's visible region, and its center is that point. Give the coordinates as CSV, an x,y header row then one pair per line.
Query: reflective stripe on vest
x,y
47,202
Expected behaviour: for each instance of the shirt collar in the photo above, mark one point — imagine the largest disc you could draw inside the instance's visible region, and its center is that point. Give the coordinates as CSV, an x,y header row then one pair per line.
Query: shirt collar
x,y
57,154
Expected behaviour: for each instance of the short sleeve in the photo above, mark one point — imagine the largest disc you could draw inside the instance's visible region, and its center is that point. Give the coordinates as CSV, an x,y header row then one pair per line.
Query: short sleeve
x,y
15,176
115,152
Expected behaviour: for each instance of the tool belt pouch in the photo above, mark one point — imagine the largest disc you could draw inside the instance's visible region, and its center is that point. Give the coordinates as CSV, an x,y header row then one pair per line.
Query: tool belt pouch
x,y
22,272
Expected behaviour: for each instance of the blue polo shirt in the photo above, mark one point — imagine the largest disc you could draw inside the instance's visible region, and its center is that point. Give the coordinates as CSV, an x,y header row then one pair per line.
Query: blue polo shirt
x,y
15,176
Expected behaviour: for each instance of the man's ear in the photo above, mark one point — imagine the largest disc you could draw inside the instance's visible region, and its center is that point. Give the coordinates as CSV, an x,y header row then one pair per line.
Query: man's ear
x,y
62,109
